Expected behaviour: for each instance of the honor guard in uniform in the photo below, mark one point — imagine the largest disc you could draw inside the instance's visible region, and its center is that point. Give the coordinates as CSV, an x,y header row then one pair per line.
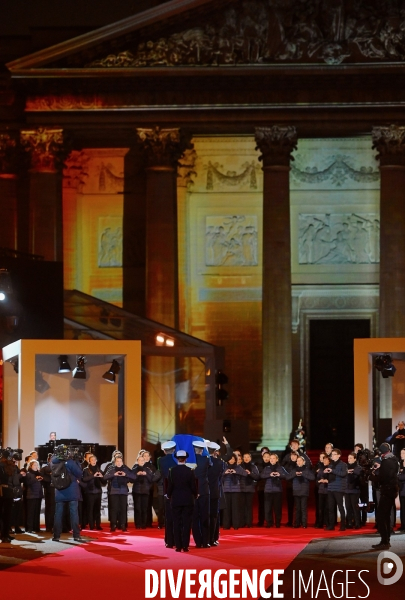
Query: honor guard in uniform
x,y
182,491
215,474
165,463
201,514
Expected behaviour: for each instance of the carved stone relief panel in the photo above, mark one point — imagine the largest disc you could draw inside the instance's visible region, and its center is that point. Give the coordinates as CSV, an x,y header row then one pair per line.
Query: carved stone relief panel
x,y
339,239
219,178
226,164
271,31
231,240
335,217
110,242
349,163
104,170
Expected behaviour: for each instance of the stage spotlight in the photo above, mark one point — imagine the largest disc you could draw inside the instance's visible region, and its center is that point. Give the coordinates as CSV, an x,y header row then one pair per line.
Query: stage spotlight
x,y
79,371
383,363
14,362
64,366
112,372
164,340
5,285
160,339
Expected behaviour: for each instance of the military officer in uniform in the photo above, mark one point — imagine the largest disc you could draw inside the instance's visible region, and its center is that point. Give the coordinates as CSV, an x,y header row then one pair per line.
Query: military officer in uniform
x,y
181,492
164,464
201,514
215,474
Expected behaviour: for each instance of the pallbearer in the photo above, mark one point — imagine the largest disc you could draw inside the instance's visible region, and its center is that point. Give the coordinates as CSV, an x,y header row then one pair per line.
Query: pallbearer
x,y
165,463
201,513
215,474
181,492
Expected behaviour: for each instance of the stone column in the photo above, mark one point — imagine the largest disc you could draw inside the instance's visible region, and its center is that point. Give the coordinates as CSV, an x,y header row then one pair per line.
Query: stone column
x,y
134,233
390,143
8,192
162,149
44,146
75,174
276,144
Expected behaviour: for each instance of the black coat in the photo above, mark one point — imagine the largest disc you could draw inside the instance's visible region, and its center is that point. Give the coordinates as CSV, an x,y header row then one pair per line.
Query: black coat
x,y
94,484
142,483
398,443
182,486
164,464
248,484
353,479
33,485
215,474
387,475
118,484
204,464
10,477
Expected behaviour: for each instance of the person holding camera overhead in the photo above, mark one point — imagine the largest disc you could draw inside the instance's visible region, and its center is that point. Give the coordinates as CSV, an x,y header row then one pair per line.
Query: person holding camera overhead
x,y
118,475
65,476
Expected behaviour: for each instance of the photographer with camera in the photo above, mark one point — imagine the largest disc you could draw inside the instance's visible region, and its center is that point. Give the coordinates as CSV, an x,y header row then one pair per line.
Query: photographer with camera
x,y
385,474
66,474
10,485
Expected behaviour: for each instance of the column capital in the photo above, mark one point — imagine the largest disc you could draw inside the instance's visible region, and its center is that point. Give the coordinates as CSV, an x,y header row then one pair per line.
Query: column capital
x,y
76,170
163,148
45,146
186,168
389,141
8,155
276,144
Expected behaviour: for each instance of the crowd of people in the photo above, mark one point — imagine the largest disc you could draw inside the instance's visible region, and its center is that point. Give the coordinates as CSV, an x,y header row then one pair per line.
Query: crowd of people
x,y
217,491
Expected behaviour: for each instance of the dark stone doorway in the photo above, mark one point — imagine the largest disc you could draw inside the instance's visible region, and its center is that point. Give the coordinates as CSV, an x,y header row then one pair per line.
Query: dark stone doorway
x,y
331,380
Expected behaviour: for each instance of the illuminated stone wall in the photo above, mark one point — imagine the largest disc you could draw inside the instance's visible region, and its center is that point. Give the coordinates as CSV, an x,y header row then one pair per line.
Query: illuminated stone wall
x,y
334,241
220,240
92,222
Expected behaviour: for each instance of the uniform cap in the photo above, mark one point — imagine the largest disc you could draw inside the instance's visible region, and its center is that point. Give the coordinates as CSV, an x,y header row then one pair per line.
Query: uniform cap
x,y
168,445
213,445
199,444
181,454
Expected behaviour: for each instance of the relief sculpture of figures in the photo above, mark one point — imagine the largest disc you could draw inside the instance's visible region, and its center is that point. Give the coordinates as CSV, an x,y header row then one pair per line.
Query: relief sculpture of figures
x,y
110,249
339,239
274,31
231,241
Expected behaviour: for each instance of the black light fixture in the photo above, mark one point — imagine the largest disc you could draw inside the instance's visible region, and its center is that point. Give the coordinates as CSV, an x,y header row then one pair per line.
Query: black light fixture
x,y
14,362
112,372
6,287
79,372
220,392
64,366
383,363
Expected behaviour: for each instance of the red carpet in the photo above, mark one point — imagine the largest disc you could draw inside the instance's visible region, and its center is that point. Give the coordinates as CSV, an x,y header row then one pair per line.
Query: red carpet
x,y
115,564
